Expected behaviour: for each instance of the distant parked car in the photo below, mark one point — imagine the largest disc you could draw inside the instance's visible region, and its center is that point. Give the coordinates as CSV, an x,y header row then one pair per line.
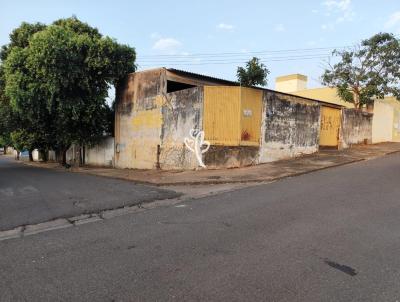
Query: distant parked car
x,y
1,150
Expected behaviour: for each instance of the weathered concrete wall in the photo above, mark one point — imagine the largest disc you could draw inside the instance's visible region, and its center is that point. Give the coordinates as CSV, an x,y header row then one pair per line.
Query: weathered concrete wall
x,y
101,154
382,122
290,127
231,156
138,120
356,127
181,111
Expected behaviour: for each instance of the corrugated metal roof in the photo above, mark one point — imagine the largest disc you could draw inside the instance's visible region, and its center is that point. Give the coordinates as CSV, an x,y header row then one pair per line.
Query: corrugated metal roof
x,y
232,83
202,76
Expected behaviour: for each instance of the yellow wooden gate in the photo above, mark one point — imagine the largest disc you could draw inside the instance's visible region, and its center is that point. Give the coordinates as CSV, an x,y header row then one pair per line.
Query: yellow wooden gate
x,y
222,115
232,115
330,127
251,108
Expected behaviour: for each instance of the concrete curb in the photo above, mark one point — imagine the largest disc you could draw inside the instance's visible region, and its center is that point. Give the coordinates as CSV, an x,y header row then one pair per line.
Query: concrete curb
x,y
75,221
221,182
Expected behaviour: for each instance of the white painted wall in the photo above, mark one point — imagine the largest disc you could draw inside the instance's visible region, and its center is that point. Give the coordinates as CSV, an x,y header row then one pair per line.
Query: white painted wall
x,y
35,155
102,154
99,155
382,122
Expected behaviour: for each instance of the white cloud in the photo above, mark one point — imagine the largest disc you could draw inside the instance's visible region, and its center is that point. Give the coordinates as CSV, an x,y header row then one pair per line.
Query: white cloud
x,y
280,28
155,35
342,5
314,11
168,45
342,9
226,27
393,21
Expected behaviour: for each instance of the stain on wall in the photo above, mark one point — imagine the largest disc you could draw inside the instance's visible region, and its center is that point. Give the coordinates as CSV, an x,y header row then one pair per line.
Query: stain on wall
x,y
138,120
356,127
231,156
290,127
181,111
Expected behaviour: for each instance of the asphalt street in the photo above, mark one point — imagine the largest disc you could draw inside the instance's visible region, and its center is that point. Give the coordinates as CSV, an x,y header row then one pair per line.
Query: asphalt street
x,y
30,195
331,235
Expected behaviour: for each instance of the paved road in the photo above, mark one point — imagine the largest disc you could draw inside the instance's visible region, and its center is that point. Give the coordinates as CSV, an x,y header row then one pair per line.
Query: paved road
x,y
333,235
31,195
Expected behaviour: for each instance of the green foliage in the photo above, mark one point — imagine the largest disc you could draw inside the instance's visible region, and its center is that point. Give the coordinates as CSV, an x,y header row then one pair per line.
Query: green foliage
x,y
22,140
58,82
370,71
7,120
254,74
20,37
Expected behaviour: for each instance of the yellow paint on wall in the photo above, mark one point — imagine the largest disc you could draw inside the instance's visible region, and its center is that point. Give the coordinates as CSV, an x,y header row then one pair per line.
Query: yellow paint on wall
x,y
396,117
330,125
148,119
382,122
221,121
251,109
325,94
232,115
291,83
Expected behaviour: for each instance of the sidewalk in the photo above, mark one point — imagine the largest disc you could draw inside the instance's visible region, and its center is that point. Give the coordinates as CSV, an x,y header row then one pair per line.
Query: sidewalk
x,y
260,173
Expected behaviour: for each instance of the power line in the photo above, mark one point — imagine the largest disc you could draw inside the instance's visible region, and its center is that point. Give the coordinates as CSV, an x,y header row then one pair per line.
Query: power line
x,y
300,56
233,62
211,54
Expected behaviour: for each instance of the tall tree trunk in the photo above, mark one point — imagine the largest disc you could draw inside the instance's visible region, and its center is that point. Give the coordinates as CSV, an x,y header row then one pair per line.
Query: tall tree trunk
x,y
64,157
80,156
44,154
30,151
17,156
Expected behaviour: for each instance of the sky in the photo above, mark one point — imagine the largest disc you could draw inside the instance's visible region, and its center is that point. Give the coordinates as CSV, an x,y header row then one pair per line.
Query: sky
x,y
215,37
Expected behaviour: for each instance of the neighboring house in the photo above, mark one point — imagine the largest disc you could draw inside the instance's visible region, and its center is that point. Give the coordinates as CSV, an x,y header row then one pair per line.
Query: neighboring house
x,y
386,119
156,110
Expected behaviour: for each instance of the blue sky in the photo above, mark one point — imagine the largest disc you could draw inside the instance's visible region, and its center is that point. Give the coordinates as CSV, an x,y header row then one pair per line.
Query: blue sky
x,y
214,37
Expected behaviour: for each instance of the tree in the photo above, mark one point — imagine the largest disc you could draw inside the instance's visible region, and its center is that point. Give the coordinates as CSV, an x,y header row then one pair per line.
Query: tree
x,y
20,37
62,78
5,115
22,140
369,71
254,74
12,119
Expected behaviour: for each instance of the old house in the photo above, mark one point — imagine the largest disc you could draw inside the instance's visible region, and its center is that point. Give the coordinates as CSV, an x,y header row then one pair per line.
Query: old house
x,y
157,109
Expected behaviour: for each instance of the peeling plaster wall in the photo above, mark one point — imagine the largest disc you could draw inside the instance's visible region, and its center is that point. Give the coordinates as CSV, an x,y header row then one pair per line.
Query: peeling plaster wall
x,y
356,127
181,112
138,119
290,127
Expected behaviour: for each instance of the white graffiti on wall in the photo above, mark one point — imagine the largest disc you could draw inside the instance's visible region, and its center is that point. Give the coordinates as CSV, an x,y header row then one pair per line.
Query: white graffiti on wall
x,y
195,144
